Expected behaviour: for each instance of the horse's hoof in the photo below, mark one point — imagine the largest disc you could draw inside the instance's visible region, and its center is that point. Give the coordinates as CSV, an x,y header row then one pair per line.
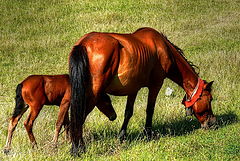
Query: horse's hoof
x,y
122,136
76,151
148,133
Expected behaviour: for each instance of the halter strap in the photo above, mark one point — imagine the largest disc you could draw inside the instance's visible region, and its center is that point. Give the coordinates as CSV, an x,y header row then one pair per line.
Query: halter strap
x,y
195,94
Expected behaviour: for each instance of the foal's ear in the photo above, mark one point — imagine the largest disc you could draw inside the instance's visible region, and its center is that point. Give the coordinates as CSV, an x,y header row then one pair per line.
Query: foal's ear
x,y
209,85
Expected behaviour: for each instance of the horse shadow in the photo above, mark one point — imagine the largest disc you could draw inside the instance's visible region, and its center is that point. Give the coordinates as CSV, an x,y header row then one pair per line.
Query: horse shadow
x,y
183,127
174,128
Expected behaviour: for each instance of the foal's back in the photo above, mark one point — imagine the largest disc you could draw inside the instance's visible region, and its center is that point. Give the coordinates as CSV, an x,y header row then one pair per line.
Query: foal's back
x,y
45,89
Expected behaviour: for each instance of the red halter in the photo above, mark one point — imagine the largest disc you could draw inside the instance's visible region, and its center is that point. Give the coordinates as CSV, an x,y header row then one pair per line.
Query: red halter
x,y
188,102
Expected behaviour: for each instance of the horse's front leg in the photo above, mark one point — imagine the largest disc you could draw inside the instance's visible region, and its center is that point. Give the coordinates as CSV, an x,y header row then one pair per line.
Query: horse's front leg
x,y
105,106
128,114
152,95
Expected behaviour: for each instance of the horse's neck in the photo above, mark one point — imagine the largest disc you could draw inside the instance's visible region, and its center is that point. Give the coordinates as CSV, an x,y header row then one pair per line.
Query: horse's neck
x,y
182,73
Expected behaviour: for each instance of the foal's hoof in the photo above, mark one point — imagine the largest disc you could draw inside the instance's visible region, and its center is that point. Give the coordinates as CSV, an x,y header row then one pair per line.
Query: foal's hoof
x,y
54,145
6,151
68,139
122,136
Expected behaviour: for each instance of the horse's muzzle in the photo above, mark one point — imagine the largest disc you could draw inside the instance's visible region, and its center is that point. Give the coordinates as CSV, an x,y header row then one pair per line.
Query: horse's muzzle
x,y
189,111
210,123
113,117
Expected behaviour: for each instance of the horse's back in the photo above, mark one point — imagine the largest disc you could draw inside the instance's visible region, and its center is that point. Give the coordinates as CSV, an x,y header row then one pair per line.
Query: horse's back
x,y
139,61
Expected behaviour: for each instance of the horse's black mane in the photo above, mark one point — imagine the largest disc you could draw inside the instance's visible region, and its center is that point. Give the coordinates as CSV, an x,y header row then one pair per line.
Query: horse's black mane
x,y
183,55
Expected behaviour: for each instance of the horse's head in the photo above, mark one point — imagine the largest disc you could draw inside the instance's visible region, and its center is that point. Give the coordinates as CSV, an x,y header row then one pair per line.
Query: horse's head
x,y
201,107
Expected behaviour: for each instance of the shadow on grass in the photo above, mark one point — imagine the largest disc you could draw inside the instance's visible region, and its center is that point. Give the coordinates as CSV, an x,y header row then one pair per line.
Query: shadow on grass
x,y
184,126
172,129
227,119
108,136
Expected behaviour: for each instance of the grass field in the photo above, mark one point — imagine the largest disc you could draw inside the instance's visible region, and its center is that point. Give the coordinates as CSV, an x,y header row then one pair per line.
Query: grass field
x,y
37,36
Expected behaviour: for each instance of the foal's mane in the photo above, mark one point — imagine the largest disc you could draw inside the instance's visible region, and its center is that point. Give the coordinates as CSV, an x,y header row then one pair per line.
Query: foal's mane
x,y
180,51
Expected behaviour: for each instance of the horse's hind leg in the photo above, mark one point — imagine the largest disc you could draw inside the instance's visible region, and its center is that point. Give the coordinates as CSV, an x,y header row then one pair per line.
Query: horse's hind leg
x,y
63,111
34,111
11,127
128,114
105,106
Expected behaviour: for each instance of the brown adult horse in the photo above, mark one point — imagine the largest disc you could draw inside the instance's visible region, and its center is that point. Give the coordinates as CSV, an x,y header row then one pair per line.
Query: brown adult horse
x,y
38,90
121,64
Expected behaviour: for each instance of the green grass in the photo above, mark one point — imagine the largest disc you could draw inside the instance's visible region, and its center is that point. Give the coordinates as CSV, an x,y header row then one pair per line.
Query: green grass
x,y
36,38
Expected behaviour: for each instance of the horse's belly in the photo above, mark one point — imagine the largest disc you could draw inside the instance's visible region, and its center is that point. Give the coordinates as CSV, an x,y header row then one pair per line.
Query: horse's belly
x,y
124,85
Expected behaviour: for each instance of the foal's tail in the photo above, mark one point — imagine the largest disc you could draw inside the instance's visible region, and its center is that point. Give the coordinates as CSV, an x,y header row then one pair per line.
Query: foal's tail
x,y
79,75
20,104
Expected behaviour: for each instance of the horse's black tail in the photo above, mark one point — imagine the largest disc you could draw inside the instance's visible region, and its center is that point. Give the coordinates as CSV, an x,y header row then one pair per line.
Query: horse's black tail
x,y
79,75
20,104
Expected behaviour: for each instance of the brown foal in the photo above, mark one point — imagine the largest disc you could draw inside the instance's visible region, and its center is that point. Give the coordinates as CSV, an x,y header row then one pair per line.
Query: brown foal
x,y
38,90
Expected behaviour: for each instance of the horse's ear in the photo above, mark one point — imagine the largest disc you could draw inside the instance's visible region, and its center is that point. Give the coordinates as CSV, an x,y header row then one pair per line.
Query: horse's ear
x,y
184,100
209,86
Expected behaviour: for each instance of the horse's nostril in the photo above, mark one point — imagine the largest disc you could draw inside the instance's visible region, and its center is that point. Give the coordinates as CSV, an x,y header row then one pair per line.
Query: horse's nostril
x,y
210,123
189,112
212,120
113,117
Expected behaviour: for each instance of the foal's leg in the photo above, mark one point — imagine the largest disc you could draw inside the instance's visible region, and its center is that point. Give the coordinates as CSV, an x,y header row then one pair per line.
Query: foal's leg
x,y
34,111
152,95
105,106
11,127
128,114
66,124
63,110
